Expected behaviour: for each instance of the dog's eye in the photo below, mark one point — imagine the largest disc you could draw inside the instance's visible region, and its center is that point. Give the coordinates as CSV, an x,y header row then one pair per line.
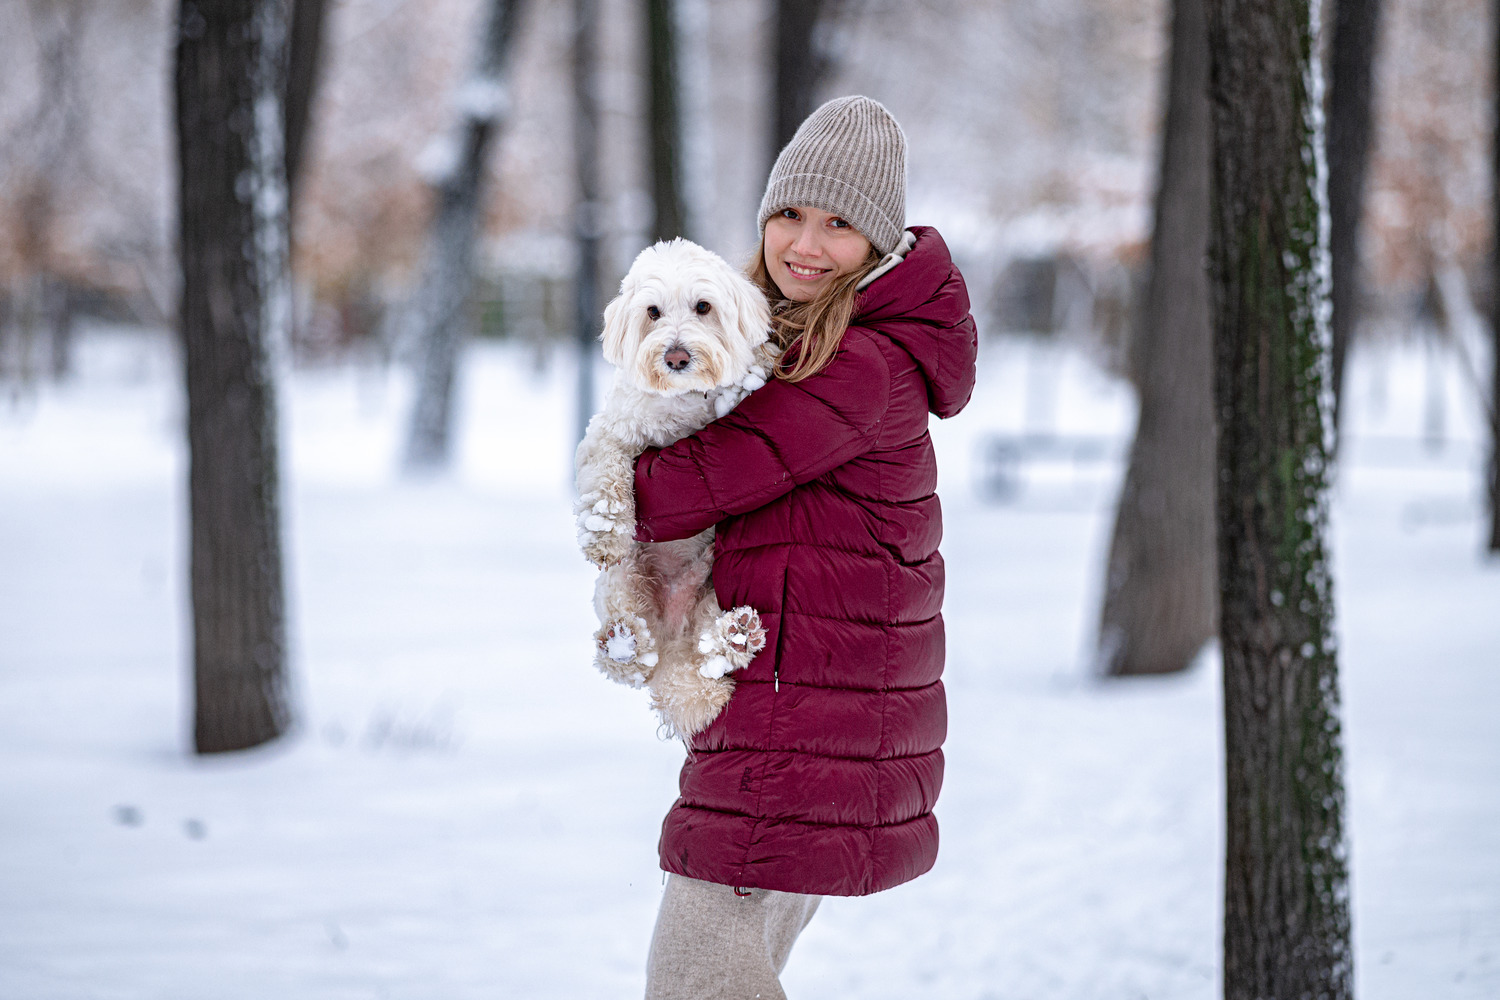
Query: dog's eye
x,y
653,312
702,308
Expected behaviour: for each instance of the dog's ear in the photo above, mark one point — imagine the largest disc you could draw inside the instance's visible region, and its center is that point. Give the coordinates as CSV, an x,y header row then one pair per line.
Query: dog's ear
x,y
749,314
617,327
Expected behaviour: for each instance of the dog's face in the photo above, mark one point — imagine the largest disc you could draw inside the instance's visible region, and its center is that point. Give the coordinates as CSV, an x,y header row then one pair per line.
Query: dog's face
x,y
684,321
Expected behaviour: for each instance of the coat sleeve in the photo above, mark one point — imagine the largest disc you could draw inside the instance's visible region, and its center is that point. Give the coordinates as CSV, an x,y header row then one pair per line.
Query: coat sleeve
x,y
781,436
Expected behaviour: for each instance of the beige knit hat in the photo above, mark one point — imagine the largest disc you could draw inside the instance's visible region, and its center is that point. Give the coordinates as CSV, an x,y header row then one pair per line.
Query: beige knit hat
x,y
848,158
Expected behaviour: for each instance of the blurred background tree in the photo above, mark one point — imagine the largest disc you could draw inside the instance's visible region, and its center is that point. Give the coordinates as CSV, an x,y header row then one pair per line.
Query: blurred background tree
x,y
1350,102
588,213
304,69
235,310
1494,485
665,138
1160,587
441,311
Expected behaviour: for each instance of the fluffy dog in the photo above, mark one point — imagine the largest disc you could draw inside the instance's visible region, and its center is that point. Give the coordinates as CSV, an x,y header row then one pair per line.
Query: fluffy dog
x,y
688,338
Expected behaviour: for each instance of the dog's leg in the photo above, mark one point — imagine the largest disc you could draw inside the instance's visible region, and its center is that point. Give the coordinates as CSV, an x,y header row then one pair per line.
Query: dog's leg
x,y
690,688
688,691
625,648
605,509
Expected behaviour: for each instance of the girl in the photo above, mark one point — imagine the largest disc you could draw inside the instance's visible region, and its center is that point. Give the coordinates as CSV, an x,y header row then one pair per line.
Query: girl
x,y
819,776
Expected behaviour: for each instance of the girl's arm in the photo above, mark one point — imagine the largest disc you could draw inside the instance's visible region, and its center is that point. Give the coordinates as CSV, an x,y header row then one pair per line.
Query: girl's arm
x,y
781,436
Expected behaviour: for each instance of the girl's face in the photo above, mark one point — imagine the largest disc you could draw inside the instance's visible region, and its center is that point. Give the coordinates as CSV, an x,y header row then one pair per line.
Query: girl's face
x,y
807,250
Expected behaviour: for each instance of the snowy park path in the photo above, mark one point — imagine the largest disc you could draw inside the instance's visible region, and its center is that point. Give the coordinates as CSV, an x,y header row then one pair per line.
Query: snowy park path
x,y
468,810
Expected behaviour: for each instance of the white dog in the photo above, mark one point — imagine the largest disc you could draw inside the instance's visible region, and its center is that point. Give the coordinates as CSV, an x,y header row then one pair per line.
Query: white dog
x,y
688,337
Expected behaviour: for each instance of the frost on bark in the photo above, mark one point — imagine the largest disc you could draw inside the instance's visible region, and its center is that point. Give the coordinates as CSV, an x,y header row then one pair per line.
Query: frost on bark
x,y
1286,895
665,121
234,308
1350,99
1160,587
440,312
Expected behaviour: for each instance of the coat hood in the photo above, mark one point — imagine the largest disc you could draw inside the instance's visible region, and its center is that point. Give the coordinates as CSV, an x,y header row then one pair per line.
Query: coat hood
x,y
923,306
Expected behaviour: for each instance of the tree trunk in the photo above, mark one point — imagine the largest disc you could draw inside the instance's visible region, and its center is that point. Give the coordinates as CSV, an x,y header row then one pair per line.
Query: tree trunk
x,y
587,225
1286,891
235,296
1350,99
1494,484
1160,587
304,60
665,122
800,65
441,305
60,319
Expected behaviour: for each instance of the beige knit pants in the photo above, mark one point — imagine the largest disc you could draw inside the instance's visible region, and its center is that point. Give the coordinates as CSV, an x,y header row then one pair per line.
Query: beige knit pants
x,y
711,944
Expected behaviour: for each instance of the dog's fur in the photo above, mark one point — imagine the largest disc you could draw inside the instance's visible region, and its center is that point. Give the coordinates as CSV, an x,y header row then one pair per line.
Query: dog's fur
x,y
704,349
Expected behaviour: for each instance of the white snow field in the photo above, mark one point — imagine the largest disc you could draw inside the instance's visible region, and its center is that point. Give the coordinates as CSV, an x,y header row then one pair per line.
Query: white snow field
x,y
469,810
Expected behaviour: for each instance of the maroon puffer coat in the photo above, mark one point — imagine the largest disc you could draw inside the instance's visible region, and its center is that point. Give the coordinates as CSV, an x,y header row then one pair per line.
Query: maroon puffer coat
x,y
820,774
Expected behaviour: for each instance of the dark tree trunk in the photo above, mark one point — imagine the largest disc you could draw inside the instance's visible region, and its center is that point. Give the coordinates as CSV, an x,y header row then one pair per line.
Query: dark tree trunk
x,y
304,61
800,66
665,122
587,225
232,209
1286,889
1494,484
442,304
1160,589
1350,98
59,299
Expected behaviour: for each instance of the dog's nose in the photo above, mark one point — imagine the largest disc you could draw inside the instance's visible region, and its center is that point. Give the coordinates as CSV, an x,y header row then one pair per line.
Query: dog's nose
x,y
677,358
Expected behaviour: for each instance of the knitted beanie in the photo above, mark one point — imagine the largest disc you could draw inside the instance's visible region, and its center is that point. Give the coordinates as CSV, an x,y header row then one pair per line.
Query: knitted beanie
x,y
848,158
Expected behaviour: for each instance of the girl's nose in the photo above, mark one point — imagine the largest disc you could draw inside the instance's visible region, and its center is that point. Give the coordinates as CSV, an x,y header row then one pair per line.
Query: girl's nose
x,y
806,244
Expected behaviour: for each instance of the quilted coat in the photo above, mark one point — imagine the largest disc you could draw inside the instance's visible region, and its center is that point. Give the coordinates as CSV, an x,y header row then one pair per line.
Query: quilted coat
x,y
820,774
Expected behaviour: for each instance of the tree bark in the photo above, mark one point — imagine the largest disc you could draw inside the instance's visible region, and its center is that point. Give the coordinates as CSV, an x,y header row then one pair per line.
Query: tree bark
x,y
1160,589
1286,892
587,222
442,303
800,66
1494,483
235,297
665,120
304,61
1350,98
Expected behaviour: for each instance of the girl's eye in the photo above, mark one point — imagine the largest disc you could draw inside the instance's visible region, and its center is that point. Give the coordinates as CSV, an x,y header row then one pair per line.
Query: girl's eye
x,y
837,223
653,312
702,308
790,213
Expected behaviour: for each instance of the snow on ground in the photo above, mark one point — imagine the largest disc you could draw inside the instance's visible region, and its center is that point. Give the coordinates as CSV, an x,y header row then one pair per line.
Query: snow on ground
x,y
469,810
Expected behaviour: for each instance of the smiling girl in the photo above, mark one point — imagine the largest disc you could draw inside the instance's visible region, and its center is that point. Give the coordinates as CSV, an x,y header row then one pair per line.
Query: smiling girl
x,y
820,775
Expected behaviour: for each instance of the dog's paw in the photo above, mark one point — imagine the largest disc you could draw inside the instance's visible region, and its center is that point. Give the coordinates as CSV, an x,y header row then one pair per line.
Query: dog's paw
x,y
731,642
754,378
625,650
732,395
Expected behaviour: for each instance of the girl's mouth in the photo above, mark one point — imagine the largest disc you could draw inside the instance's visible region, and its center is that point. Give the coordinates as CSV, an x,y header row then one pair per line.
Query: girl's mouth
x,y
805,273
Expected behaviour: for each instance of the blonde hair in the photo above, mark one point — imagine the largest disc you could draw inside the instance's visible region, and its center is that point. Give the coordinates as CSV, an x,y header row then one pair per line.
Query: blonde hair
x,y
813,328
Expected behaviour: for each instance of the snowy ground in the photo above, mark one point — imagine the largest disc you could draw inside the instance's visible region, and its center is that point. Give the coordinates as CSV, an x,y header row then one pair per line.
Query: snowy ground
x,y
468,810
